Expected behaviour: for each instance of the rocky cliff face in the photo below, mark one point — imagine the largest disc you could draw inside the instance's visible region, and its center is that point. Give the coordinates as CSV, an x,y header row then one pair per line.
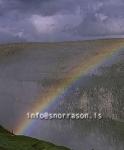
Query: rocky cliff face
x,y
103,93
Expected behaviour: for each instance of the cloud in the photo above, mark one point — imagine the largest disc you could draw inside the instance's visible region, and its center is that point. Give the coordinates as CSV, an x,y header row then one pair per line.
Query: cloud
x,y
56,20
43,24
49,24
115,26
6,36
1,2
101,17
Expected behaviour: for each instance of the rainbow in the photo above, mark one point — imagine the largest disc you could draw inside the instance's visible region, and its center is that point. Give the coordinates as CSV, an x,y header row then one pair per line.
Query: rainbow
x,y
47,99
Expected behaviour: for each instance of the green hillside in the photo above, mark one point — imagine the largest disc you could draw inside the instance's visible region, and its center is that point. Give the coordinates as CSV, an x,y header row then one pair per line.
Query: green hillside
x,y
9,141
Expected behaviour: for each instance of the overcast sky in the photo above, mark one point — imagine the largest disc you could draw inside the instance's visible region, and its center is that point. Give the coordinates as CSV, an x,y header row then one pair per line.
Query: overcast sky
x,y
60,20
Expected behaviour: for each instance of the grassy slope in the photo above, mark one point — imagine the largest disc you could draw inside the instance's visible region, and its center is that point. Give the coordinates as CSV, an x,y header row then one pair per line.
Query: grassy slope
x,y
9,141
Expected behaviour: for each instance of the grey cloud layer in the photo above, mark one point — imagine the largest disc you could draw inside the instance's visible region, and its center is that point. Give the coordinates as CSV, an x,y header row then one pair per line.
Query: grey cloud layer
x,y
54,20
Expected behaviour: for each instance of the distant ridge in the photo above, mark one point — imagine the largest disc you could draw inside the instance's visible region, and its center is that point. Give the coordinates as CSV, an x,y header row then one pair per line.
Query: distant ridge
x,y
61,42
66,41
12,48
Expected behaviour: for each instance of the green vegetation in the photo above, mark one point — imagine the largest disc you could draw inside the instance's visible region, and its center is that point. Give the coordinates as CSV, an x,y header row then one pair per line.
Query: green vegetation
x,y
9,141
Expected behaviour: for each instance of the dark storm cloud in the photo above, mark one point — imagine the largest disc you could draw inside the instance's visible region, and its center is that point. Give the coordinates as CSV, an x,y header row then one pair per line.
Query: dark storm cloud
x,y
52,20
44,7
